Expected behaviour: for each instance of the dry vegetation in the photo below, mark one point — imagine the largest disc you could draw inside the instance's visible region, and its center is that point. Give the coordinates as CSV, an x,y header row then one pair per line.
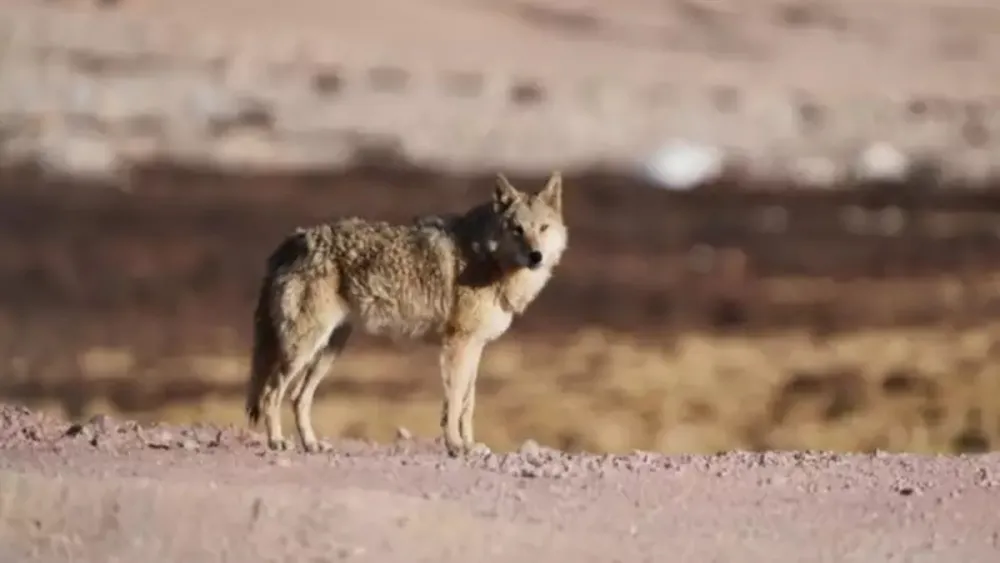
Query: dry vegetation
x,y
817,337
919,390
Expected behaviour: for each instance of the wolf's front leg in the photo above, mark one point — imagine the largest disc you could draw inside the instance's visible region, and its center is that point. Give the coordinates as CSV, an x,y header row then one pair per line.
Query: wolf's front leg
x,y
459,363
465,419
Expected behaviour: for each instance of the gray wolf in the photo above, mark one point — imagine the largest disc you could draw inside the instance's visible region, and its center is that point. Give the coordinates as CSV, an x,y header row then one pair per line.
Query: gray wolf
x,y
457,280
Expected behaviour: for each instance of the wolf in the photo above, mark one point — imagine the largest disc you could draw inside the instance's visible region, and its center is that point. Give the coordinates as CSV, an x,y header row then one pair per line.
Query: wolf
x,y
457,280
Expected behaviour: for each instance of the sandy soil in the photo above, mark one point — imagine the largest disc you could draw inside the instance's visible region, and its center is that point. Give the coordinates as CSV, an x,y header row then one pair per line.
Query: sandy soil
x,y
115,491
795,88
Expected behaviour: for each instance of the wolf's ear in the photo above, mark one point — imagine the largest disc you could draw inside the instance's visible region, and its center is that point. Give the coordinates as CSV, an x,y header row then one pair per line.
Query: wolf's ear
x,y
504,194
551,194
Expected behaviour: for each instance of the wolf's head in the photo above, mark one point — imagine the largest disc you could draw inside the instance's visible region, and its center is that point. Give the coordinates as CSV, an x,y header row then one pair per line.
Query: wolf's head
x,y
531,232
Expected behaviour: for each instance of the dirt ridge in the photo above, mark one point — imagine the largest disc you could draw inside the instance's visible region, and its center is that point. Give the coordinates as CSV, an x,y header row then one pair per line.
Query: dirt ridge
x,y
114,489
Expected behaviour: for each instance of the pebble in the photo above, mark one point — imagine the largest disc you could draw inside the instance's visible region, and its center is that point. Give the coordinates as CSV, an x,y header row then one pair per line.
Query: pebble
x,y
529,448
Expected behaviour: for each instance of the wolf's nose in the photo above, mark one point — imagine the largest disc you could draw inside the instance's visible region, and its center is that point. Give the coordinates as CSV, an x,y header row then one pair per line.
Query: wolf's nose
x,y
534,259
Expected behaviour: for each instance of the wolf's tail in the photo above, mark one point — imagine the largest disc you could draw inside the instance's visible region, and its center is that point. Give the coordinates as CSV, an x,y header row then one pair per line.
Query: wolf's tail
x,y
263,359
266,354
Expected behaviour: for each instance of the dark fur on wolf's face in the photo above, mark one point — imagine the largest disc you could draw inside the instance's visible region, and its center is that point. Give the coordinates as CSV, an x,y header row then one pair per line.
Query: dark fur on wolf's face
x,y
530,230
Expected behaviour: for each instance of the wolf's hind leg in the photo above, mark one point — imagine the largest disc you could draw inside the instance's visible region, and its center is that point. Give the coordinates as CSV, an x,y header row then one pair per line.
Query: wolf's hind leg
x,y
305,388
272,415
298,359
307,313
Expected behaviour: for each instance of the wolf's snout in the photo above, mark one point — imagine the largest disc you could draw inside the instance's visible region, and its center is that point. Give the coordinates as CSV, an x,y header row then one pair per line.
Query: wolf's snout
x,y
534,259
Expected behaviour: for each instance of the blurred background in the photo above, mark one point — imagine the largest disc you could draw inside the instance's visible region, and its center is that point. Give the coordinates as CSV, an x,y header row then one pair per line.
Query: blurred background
x,y
784,228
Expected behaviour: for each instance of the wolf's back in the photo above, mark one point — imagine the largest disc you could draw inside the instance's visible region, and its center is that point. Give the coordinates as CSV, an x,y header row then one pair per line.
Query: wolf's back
x,y
399,279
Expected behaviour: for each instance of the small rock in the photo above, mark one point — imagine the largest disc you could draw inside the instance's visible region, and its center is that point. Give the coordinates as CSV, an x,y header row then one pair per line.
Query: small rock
x,y
189,445
73,431
347,552
403,434
32,433
529,448
256,509
480,449
101,422
217,440
554,472
160,440
281,462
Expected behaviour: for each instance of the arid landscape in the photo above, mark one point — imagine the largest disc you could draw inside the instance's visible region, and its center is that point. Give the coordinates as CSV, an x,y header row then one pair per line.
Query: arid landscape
x,y
758,342
688,330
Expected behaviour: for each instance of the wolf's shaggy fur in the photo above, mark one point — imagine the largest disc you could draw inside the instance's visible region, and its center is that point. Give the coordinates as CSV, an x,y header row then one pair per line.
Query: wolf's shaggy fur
x,y
456,279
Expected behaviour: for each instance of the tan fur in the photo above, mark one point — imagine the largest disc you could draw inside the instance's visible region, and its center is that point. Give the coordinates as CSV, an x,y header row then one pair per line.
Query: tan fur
x,y
458,280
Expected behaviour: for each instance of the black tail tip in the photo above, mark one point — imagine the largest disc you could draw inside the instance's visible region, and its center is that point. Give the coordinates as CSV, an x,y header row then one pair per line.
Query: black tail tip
x,y
253,415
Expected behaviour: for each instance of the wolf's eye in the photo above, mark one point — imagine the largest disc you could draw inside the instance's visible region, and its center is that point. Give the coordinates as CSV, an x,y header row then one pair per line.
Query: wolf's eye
x,y
518,230
544,228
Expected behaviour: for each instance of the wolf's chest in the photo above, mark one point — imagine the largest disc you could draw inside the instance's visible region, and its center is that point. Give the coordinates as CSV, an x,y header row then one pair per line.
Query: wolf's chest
x,y
493,321
522,288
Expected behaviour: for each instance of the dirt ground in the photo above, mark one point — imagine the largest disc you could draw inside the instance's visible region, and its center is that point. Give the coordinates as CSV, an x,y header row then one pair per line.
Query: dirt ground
x,y
111,490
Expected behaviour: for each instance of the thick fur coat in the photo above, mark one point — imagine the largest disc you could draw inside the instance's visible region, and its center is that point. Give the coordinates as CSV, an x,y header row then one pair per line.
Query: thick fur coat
x,y
458,280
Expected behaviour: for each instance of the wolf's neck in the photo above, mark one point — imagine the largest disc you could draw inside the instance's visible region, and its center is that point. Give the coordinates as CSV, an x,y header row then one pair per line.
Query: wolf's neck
x,y
513,290
517,290
477,266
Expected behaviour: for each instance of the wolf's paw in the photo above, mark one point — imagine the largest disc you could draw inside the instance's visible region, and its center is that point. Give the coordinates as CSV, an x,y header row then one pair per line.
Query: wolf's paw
x,y
455,449
317,447
462,449
478,449
279,444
